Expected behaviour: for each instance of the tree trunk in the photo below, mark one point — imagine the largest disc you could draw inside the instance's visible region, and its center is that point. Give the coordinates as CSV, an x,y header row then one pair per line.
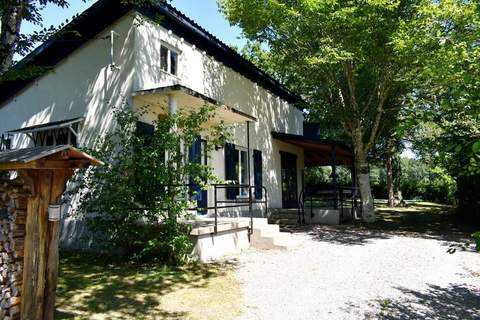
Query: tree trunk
x,y
363,174
390,189
11,20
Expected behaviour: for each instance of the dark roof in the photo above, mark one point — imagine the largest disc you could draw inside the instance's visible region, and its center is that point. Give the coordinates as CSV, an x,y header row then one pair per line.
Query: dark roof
x,y
318,152
104,12
48,126
22,156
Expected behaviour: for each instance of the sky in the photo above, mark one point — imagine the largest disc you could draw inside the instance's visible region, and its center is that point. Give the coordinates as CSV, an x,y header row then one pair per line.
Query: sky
x,y
203,12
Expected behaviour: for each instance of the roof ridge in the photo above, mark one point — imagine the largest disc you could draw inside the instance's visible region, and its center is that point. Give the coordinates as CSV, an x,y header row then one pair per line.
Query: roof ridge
x,y
226,46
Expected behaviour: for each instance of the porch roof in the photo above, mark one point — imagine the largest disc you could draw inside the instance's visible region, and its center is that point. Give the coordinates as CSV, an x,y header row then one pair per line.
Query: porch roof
x,y
189,99
318,152
51,157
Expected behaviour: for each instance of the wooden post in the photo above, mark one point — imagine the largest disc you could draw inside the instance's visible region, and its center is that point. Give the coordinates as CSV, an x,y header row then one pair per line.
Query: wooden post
x,y
46,172
60,178
41,245
35,238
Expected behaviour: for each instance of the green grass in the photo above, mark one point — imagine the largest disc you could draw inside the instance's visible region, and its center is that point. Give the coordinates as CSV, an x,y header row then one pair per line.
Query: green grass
x,y
421,217
92,287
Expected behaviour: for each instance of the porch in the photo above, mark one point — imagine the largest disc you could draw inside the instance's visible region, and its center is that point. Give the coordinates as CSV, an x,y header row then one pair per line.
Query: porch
x,y
315,204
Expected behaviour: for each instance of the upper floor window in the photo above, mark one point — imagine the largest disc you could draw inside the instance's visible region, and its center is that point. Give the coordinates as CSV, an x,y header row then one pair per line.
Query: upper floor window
x,y
168,60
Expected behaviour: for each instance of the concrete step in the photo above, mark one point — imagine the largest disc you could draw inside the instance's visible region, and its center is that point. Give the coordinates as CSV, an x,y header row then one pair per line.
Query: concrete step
x,y
285,222
269,237
284,215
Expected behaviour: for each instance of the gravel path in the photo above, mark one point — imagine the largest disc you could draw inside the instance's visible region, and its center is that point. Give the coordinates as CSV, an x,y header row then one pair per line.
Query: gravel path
x,y
374,277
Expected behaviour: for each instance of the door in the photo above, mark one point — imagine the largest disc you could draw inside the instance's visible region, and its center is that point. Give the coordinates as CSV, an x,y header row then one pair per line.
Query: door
x,y
289,180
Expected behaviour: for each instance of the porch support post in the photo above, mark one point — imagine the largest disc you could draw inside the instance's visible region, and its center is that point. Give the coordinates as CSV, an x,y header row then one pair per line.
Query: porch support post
x,y
248,153
334,177
172,111
172,104
250,198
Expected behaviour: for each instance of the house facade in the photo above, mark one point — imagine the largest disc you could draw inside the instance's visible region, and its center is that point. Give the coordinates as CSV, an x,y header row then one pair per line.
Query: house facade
x,y
155,57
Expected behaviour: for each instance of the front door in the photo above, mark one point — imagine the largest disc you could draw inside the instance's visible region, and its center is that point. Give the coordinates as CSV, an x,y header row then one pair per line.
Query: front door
x,y
289,180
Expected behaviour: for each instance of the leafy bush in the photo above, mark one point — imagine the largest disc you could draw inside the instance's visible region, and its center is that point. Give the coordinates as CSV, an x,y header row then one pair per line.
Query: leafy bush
x,y
418,181
136,199
476,238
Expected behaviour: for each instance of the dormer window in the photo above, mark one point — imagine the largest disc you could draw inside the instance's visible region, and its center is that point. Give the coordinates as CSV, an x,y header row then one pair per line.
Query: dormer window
x,y
169,60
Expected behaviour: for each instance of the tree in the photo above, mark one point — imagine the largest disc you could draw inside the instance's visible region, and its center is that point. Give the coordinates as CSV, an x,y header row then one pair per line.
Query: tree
x,y
13,13
136,199
444,122
342,57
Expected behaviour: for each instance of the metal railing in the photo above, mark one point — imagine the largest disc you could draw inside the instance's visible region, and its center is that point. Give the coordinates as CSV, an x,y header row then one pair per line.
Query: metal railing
x,y
5,142
238,202
343,197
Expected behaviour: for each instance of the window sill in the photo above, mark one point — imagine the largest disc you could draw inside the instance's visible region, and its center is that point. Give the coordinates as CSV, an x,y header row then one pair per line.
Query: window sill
x,y
171,75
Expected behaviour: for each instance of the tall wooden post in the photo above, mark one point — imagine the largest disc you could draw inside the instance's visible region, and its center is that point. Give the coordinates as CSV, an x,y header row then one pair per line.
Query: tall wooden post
x,y
46,170
41,241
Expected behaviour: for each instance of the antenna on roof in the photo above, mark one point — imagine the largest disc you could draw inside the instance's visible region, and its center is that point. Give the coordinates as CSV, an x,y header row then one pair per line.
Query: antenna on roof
x,y
113,66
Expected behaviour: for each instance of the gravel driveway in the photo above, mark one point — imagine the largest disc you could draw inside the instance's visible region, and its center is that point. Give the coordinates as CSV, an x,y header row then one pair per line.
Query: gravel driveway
x,y
354,274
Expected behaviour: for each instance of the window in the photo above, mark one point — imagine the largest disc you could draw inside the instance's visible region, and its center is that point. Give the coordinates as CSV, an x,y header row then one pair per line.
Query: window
x,y
236,169
164,58
168,60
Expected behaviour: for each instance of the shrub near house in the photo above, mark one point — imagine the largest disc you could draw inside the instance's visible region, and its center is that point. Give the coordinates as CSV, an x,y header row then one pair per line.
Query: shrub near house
x,y
142,193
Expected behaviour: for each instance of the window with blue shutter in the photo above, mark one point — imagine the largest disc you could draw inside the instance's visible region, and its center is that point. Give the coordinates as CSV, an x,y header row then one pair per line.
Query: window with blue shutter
x,y
145,130
258,173
231,164
195,156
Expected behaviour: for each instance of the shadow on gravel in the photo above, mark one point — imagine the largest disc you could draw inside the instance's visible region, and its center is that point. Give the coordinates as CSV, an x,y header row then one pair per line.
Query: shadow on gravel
x,y
456,302
421,220
343,234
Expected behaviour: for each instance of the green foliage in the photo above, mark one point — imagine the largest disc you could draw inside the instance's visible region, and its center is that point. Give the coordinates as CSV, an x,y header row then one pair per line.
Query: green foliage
x,y
476,238
444,109
420,181
138,197
322,177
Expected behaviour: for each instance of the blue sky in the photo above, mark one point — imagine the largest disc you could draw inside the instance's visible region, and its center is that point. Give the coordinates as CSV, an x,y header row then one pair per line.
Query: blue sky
x,y
204,12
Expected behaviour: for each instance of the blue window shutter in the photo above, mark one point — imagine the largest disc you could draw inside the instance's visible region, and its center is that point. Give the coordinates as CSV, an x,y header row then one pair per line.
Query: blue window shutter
x,y
258,173
196,151
195,156
145,130
231,162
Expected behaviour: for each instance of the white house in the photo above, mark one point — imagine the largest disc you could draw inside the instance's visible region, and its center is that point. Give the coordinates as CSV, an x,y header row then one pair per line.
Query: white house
x,y
157,57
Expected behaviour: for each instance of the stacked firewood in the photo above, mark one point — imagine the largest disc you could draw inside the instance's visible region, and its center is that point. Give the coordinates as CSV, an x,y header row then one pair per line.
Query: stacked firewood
x,y
13,206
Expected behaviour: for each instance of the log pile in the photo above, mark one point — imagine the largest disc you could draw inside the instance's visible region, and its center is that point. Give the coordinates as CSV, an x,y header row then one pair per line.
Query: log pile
x,y
13,206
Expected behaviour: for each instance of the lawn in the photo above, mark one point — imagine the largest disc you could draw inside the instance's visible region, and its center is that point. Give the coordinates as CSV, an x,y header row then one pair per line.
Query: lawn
x,y
92,287
426,218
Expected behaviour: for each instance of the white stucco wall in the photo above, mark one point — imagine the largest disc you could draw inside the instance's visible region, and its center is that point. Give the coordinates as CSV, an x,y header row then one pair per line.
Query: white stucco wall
x,y
84,85
202,73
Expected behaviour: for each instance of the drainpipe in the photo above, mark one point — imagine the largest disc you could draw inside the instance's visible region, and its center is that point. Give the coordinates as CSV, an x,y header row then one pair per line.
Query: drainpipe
x,y
250,198
172,111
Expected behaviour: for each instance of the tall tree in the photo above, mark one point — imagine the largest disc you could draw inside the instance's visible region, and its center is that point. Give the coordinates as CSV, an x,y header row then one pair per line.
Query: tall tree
x,y
13,13
445,107
343,61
